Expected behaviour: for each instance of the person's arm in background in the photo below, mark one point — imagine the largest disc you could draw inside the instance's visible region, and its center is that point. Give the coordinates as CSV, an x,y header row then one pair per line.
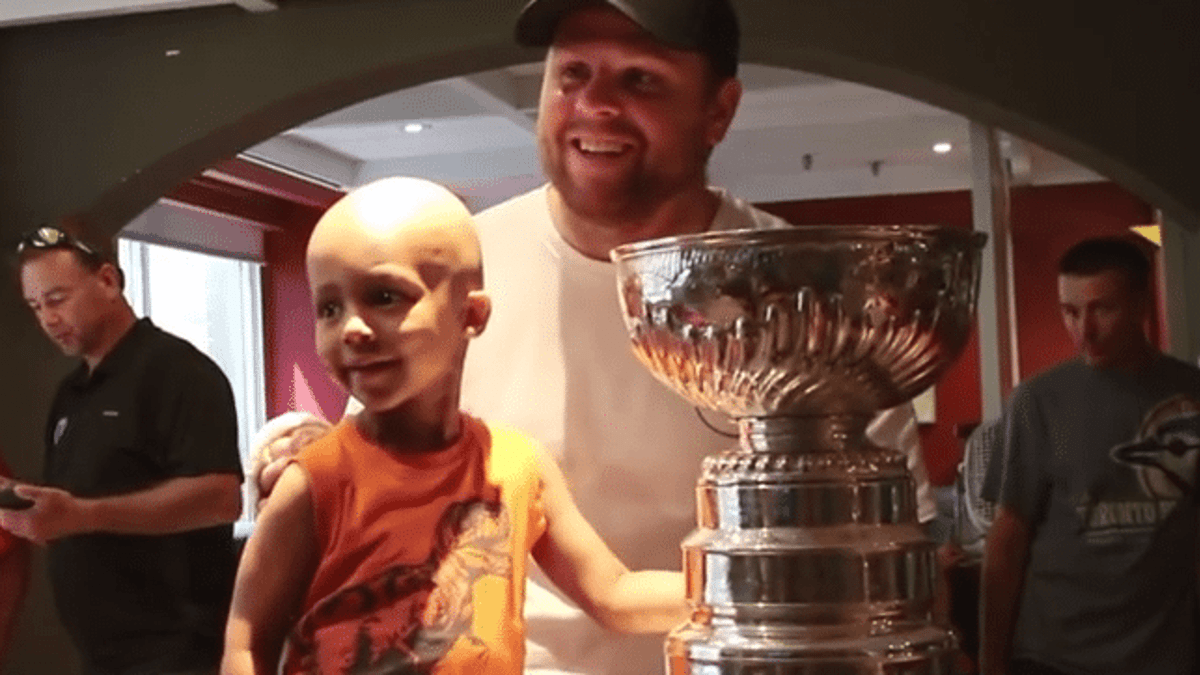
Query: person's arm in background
x,y
14,582
175,505
14,577
1006,554
949,556
1016,481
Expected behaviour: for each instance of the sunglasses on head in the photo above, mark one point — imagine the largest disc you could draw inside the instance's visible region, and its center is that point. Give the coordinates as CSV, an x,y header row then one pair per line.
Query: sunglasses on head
x,y
49,236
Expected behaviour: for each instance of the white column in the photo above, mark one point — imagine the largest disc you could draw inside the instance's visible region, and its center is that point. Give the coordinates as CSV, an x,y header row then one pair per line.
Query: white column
x,y
997,320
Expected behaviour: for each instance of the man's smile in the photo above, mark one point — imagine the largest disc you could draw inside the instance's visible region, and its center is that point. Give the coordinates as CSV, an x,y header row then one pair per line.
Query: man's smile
x,y
601,146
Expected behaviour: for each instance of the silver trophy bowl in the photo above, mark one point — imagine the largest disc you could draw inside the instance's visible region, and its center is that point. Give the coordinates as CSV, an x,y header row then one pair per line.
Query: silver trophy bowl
x,y
809,321
808,558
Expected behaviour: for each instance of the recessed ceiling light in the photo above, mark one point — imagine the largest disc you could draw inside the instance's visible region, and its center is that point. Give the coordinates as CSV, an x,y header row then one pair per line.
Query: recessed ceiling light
x,y
414,127
942,148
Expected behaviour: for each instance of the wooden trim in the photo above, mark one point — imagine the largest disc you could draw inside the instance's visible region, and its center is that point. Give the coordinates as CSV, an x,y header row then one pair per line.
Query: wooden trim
x,y
252,192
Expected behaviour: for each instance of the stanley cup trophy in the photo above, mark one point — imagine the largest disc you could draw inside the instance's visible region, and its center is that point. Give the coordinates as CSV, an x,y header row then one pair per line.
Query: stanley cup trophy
x,y
808,558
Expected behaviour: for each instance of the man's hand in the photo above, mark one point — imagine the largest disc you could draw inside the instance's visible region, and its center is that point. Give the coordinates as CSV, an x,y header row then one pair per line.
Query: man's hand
x,y
55,513
275,444
267,479
950,555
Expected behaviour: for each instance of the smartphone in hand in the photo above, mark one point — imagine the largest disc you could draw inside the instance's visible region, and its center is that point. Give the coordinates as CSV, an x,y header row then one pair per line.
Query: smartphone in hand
x,y
10,500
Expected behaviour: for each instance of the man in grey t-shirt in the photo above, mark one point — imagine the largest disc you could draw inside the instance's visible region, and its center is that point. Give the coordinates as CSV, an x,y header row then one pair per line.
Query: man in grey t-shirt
x,y
1090,565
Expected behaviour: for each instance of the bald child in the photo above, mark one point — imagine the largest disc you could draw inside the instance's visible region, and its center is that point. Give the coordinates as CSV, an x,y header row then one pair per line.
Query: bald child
x,y
398,542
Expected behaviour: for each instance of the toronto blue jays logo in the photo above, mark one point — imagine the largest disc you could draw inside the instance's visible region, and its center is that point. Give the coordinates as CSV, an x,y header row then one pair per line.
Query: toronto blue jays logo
x,y
1166,452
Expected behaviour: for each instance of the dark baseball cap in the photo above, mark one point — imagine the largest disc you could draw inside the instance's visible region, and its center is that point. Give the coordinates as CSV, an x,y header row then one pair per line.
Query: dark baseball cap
x,y
706,26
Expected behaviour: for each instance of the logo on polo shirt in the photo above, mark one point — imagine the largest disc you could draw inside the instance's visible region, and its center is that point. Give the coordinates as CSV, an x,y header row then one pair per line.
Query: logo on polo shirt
x,y
60,428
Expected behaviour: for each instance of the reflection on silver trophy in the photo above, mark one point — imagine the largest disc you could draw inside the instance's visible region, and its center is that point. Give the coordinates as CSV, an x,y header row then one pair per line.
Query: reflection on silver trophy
x,y
807,559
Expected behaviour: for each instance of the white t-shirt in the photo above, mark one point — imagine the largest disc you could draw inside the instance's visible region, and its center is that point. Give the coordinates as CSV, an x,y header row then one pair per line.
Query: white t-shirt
x,y
555,361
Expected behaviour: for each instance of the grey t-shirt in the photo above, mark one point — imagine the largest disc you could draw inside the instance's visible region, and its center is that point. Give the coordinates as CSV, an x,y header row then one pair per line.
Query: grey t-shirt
x,y
1102,465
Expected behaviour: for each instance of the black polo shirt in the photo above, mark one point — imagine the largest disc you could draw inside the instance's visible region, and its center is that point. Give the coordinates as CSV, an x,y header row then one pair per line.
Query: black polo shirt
x,y
155,408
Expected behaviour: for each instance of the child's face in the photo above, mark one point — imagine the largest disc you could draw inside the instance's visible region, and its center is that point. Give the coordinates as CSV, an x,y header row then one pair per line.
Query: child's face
x,y
391,321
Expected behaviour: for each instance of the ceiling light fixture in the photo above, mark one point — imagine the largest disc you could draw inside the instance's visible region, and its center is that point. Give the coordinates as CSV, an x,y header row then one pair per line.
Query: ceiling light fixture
x,y
942,147
414,127
1151,232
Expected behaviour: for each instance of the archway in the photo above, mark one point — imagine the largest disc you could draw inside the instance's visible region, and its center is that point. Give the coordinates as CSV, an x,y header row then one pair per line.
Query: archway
x,y
104,116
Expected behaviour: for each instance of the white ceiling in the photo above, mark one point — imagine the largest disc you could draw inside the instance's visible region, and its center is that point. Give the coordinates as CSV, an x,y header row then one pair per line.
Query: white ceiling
x,y
478,139
478,136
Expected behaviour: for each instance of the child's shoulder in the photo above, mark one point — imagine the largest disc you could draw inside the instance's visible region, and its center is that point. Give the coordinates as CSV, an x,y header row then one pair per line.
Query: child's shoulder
x,y
512,447
328,450
510,438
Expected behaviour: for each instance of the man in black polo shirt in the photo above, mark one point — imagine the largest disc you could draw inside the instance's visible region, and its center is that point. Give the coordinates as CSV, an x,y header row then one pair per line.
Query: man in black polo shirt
x,y
142,474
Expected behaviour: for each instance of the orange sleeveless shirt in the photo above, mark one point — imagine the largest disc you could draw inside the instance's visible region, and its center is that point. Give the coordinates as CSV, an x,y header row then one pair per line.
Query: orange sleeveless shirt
x,y
422,557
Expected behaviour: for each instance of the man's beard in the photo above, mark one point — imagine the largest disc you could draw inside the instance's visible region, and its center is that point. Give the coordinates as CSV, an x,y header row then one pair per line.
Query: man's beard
x,y
631,196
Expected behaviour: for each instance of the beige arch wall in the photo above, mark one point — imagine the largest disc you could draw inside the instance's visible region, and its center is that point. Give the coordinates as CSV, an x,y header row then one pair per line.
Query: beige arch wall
x,y
94,116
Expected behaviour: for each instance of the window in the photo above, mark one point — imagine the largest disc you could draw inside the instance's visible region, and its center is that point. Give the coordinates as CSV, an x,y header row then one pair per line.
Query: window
x,y
214,302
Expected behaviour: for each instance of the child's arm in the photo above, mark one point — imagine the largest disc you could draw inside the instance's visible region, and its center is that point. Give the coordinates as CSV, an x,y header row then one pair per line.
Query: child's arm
x,y
276,569
581,565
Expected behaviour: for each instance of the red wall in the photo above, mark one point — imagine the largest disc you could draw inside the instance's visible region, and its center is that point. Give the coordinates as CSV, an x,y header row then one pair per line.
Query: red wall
x,y
296,379
1045,222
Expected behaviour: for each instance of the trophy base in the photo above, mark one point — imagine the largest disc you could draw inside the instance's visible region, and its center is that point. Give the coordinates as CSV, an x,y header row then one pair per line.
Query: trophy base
x,y
808,559
707,649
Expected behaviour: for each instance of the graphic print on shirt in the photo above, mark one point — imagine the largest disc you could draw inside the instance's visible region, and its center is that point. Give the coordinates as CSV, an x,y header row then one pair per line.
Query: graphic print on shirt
x,y
406,619
1166,451
60,428
1164,458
